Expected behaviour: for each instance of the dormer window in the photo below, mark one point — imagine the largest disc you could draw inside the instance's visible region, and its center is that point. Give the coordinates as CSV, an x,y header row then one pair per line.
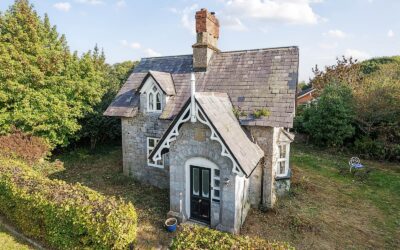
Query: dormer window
x,y
154,103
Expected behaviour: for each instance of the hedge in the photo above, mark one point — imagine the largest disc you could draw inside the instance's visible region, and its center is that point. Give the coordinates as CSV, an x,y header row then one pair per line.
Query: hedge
x,y
62,215
198,237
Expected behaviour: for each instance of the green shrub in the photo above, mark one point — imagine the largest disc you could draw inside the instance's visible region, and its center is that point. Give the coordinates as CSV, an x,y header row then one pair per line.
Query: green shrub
x,y
63,215
376,148
329,121
197,237
263,112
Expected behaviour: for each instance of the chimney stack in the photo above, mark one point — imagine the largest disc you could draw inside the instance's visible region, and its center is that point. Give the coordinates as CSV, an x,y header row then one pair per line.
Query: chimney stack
x,y
207,29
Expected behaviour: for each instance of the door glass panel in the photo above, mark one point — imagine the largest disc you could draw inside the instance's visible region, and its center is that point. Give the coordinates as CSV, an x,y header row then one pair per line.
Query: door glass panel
x,y
195,181
206,183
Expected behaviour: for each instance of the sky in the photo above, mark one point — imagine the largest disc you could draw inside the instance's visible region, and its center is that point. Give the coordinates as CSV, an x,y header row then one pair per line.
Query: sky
x,y
322,29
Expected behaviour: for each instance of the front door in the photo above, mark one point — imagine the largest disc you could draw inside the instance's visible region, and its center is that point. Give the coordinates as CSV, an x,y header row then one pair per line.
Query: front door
x,y
200,179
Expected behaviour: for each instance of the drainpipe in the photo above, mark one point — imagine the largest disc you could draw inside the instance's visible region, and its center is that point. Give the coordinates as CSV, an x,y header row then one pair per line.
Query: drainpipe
x,y
192,98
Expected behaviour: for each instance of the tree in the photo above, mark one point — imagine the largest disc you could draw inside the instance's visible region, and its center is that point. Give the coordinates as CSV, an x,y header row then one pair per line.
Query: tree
x,y
329,121
346,70
44,89
96,127
378,112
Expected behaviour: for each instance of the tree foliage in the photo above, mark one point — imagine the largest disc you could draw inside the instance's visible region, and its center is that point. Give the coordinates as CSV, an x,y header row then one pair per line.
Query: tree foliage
x,y
378,112
96,127
346,70
44,88
329,121
375,91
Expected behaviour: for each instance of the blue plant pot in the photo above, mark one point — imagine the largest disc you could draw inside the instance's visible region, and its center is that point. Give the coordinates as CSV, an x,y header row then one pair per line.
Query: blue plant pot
x,y
170,224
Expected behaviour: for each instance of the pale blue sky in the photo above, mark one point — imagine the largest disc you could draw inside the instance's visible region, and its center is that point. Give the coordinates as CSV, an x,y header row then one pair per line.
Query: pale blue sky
x,y
323,29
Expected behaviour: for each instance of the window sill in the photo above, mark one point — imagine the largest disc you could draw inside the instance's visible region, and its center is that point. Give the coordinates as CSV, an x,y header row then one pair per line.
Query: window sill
x,y
155,166
285,177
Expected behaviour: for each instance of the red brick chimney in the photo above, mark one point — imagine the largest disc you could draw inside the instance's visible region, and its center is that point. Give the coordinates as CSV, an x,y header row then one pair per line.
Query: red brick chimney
x,y
207,29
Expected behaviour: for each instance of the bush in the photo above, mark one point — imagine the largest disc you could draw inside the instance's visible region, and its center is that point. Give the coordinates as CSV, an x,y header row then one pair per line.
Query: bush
x,y
329,121
25,146
63,215
197,237
263,112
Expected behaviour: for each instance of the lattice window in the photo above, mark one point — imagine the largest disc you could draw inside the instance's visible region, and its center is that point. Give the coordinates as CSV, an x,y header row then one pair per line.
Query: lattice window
x,y
154,100
151,144
282,164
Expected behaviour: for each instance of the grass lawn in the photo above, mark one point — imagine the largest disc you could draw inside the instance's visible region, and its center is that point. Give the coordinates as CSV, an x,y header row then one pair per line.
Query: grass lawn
x,y
326,210
10,242
323,211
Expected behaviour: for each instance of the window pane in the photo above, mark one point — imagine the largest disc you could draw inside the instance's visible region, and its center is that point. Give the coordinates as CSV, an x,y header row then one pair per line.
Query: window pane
x,y
151,142
216,183
281,167
196,181
205,183
154,89
216,193
151,101
282,151
158,102
216,172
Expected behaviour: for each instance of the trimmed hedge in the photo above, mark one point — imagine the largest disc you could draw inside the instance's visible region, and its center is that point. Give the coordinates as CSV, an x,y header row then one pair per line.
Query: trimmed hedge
x,y
197,237
63,215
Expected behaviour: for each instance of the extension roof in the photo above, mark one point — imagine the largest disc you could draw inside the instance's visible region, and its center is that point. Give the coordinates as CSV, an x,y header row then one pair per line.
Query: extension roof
x,y
253,79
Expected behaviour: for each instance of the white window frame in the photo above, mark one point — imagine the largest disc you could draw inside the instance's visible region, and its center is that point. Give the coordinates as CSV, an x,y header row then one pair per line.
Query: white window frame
x,y
149,149
284,158
213,186
154,100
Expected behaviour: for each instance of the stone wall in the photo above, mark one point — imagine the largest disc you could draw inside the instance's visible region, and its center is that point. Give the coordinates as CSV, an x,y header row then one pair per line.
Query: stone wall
x,y
266,138
194,141
134,143
282,187
255,185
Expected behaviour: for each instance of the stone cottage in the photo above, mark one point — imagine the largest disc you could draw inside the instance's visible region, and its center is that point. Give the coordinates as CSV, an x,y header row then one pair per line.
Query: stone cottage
x,y
211,126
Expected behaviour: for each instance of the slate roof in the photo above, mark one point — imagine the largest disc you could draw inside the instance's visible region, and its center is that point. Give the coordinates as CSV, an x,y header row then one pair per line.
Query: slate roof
x,y
163,79
253,79
218,111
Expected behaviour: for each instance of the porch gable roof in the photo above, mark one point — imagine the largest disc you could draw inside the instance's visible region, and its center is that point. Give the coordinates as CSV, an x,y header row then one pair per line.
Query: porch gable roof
x,y
215,110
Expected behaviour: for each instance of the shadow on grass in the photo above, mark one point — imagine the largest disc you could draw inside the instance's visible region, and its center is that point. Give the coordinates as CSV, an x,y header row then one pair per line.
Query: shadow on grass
x,y
101,170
